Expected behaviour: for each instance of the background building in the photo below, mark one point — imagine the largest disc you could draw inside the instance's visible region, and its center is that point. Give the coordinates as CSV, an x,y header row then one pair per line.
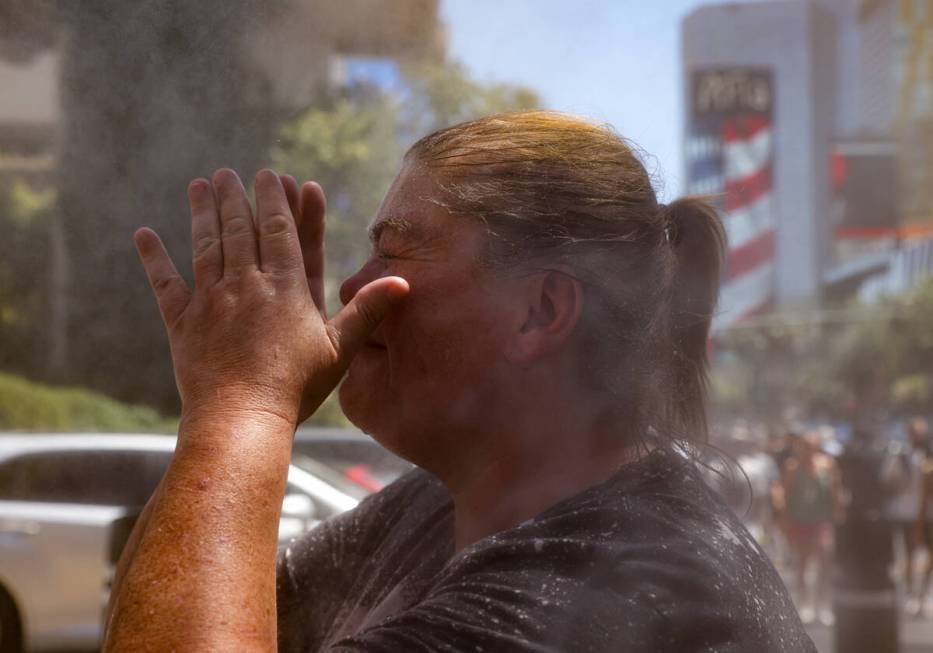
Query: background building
x,y
851,146
792,43
29,117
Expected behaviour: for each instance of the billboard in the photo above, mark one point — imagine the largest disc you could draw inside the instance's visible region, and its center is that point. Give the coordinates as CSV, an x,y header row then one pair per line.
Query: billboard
x,y
729,153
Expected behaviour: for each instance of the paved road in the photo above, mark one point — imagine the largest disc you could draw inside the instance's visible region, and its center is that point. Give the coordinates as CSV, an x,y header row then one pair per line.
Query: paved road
x,y
916,636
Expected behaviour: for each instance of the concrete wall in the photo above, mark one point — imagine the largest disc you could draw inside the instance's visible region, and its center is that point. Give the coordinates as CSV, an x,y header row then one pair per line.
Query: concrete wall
x,y
30,91
796,39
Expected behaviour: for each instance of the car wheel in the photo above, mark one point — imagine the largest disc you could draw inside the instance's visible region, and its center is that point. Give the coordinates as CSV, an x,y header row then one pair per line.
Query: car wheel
x,y
11,631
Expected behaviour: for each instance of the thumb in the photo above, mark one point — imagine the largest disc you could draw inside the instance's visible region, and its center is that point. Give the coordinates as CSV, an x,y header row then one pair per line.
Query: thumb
x,y
170,289
352,325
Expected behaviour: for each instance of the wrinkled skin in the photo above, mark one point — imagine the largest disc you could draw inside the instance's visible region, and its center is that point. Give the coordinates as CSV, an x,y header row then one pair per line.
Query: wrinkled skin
x,y
424,380
252,352
252,315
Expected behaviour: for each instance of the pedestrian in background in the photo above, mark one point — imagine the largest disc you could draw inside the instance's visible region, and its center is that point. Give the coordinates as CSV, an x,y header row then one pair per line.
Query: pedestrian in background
x,y
924,523
781,450
902,476
812,500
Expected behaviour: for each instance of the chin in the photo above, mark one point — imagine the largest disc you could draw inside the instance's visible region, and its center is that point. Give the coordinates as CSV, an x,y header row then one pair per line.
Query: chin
x,y
356,404
381,420
366,411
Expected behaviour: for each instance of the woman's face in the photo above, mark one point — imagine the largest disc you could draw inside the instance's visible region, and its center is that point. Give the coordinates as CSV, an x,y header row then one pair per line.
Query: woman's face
x,y
431,369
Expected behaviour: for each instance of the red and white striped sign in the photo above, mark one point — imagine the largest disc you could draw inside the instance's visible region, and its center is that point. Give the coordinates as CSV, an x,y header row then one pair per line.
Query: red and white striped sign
x,y
748,282
730,155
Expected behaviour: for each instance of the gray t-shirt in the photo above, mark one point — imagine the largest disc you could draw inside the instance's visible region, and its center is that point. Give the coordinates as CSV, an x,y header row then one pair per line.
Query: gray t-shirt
x,y
650,560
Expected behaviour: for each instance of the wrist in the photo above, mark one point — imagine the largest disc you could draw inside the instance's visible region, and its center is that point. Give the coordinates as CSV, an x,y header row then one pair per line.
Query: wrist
x,y
229,433
250,448
239,404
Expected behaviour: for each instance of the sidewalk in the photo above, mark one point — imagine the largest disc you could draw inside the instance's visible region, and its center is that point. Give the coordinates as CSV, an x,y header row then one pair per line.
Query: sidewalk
x,y
916,636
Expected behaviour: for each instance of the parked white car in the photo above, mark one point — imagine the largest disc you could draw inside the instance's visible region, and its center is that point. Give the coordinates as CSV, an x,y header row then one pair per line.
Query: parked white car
x,y
60,496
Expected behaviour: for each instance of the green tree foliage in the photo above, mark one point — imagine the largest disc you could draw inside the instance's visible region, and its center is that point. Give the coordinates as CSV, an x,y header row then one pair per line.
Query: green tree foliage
x,y
775,370
834,363
887,360
444,95
329,414
34,407
351,147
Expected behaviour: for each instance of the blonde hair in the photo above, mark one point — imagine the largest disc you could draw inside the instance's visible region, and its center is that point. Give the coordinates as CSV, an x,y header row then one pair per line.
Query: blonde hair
x,y
553,187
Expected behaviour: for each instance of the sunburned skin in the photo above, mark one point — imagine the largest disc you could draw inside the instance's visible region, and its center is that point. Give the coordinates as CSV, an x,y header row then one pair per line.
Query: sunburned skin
x,y
207,538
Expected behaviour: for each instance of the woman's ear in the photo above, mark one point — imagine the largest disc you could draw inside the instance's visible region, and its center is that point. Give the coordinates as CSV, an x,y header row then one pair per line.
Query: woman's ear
x,y
554,302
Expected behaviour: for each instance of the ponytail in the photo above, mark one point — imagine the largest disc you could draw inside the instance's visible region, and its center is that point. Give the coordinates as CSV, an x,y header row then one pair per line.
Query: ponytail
x,y
696,236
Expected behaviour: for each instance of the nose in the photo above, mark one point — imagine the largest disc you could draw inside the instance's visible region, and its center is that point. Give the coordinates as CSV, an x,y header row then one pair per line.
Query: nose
x,y
369,272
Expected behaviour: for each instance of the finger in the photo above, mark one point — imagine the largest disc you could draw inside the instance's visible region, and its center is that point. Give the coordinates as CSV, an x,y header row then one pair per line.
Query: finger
x,y
278,234
207,253
310,232
351,327
311,236
237,236
170,289
292,192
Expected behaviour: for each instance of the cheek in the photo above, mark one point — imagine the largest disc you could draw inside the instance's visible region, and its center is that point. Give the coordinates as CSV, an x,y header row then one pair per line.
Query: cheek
x,y
444,337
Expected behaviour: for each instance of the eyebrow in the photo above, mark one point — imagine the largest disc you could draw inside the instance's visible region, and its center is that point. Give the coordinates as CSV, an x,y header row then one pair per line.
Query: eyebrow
x,y
397,224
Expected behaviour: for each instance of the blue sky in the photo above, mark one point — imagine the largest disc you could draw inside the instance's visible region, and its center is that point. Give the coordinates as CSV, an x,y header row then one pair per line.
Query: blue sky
x,y
614,60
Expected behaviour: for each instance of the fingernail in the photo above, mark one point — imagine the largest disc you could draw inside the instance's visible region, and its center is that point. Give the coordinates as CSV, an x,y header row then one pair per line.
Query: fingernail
x,y
198,186
144,240
269,175
399,291
224,174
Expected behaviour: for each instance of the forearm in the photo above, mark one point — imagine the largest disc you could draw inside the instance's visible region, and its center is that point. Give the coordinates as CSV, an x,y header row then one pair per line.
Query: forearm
x,y
129,551
250,345
203,573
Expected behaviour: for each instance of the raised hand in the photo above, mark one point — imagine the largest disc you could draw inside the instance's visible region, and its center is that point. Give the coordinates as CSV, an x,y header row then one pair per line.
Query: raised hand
x,y
253,336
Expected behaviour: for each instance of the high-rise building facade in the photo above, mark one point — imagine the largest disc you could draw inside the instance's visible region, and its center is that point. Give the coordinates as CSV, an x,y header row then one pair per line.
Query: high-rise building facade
x,y
851,137
788,47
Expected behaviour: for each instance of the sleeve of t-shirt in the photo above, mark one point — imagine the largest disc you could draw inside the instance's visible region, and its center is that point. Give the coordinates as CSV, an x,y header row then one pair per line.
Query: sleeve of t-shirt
x,y
314,571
